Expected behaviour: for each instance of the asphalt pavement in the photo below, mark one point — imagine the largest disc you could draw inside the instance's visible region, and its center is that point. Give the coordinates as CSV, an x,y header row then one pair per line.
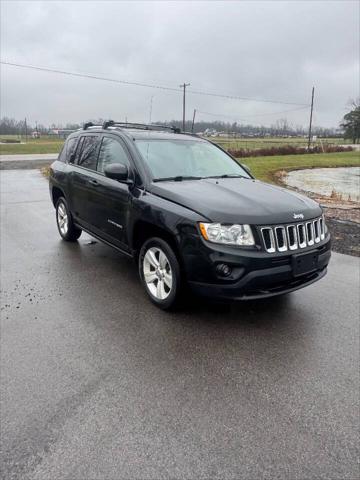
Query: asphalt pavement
x,y
97,383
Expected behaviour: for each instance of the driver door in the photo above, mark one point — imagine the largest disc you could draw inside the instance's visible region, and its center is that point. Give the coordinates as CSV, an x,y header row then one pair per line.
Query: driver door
x,y
111,200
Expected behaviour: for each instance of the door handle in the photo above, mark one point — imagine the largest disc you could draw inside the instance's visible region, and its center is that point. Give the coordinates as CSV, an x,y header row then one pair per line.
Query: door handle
x,y
94,183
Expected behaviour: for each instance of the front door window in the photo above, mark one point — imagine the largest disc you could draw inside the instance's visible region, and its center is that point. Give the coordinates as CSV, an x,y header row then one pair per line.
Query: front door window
x,y
111,151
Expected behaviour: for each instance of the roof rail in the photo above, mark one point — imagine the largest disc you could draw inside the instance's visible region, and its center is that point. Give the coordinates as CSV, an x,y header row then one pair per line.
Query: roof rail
x,y
90,124
140,126
107,123
193,134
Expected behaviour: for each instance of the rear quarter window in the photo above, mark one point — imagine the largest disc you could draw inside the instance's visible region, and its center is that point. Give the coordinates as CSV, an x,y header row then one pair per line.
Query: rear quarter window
x,y
62,154
70,148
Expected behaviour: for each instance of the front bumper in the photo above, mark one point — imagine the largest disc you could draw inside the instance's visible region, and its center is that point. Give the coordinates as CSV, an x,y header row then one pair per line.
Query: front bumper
x,y
255,274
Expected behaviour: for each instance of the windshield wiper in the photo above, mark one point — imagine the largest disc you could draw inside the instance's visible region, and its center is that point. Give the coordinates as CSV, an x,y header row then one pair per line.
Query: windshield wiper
x,y
178,178
227,175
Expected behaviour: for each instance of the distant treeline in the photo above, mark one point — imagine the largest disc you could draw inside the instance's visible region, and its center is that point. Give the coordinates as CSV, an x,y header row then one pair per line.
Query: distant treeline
x,y
280,128
10,126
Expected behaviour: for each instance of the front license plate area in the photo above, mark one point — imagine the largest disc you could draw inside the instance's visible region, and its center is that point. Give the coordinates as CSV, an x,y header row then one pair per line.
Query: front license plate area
x,y
304,263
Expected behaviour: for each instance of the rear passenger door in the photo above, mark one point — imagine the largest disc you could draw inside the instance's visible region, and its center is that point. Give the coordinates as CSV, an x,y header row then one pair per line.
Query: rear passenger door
x,y
83,177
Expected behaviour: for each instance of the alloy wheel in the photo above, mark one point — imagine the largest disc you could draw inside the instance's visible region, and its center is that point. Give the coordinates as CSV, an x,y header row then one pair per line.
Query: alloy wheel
x,y
62,219
157,273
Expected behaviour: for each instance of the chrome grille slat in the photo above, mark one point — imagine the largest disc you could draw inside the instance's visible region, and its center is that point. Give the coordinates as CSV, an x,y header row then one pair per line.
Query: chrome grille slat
x,y
316,231
310,233
322,228
268,238
281,240
292,237
301,235
296,236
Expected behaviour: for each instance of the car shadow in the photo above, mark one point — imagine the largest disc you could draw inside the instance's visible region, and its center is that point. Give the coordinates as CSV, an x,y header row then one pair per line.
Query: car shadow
x,y
122,271
199,334
259,313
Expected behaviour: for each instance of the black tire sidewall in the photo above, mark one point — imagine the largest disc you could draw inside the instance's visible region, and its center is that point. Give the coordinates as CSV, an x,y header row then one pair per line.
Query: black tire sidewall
x,y
171,300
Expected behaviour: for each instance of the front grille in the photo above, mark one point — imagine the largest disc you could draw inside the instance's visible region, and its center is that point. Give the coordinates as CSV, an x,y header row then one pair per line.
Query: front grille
x,y
281,238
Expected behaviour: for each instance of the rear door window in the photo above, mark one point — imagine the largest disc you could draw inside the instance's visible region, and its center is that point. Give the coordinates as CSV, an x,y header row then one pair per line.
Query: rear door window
x,y
88,152
78,150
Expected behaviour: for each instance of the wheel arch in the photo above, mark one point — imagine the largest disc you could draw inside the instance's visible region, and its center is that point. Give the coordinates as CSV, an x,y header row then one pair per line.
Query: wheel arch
x,y
56,193
143,230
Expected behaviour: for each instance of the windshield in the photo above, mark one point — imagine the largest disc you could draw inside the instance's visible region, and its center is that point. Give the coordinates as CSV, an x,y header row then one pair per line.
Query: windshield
x,y
168,159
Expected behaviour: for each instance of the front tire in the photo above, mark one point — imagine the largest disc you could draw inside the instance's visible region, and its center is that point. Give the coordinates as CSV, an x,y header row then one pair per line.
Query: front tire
x,y
159,271
67,229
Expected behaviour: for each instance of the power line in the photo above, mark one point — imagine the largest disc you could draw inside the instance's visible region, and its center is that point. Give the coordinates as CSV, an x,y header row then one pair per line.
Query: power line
x,y
253,115
148,85
87,75
235,97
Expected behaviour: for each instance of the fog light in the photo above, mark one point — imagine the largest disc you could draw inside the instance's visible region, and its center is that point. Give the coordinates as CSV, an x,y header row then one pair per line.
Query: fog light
x,y
223,270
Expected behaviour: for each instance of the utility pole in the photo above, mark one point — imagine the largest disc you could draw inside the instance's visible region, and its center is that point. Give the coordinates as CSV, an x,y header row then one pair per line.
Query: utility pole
x,y
150,113
192,126
184,85
26,131
311,115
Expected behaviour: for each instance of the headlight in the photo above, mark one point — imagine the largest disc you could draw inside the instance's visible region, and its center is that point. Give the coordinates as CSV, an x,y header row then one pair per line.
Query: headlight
x,y
227,234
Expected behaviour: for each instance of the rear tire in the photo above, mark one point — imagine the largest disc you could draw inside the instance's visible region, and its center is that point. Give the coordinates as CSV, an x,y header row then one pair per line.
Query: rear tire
x,y
159,272
67,229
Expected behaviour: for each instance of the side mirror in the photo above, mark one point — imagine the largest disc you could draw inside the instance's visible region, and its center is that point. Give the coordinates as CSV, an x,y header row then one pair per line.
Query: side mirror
x,y
72,158
246,168
119,172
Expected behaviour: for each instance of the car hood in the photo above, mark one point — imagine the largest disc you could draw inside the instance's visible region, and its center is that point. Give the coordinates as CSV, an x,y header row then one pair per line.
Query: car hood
x,y
238,200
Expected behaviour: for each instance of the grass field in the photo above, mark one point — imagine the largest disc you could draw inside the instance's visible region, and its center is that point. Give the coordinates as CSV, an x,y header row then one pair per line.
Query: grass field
x,y
264,168
34,145
48,144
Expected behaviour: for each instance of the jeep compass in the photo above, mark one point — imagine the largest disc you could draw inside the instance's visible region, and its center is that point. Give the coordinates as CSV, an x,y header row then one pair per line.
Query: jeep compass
x,y
187,212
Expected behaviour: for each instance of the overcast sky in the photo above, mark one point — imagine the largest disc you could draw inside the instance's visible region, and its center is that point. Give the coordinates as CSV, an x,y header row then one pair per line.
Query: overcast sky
x,y
273,50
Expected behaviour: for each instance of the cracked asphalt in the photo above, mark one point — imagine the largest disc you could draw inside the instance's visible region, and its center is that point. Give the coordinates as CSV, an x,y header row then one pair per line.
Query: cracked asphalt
x,y
97,383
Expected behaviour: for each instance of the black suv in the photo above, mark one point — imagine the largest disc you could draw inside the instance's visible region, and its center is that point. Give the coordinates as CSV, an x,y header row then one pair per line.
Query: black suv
x,y
187,212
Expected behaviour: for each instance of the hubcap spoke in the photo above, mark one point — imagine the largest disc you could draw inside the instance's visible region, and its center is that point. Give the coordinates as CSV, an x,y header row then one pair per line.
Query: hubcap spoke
x,y
62,210
150,277
162,259
150,254
160,291
168,280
